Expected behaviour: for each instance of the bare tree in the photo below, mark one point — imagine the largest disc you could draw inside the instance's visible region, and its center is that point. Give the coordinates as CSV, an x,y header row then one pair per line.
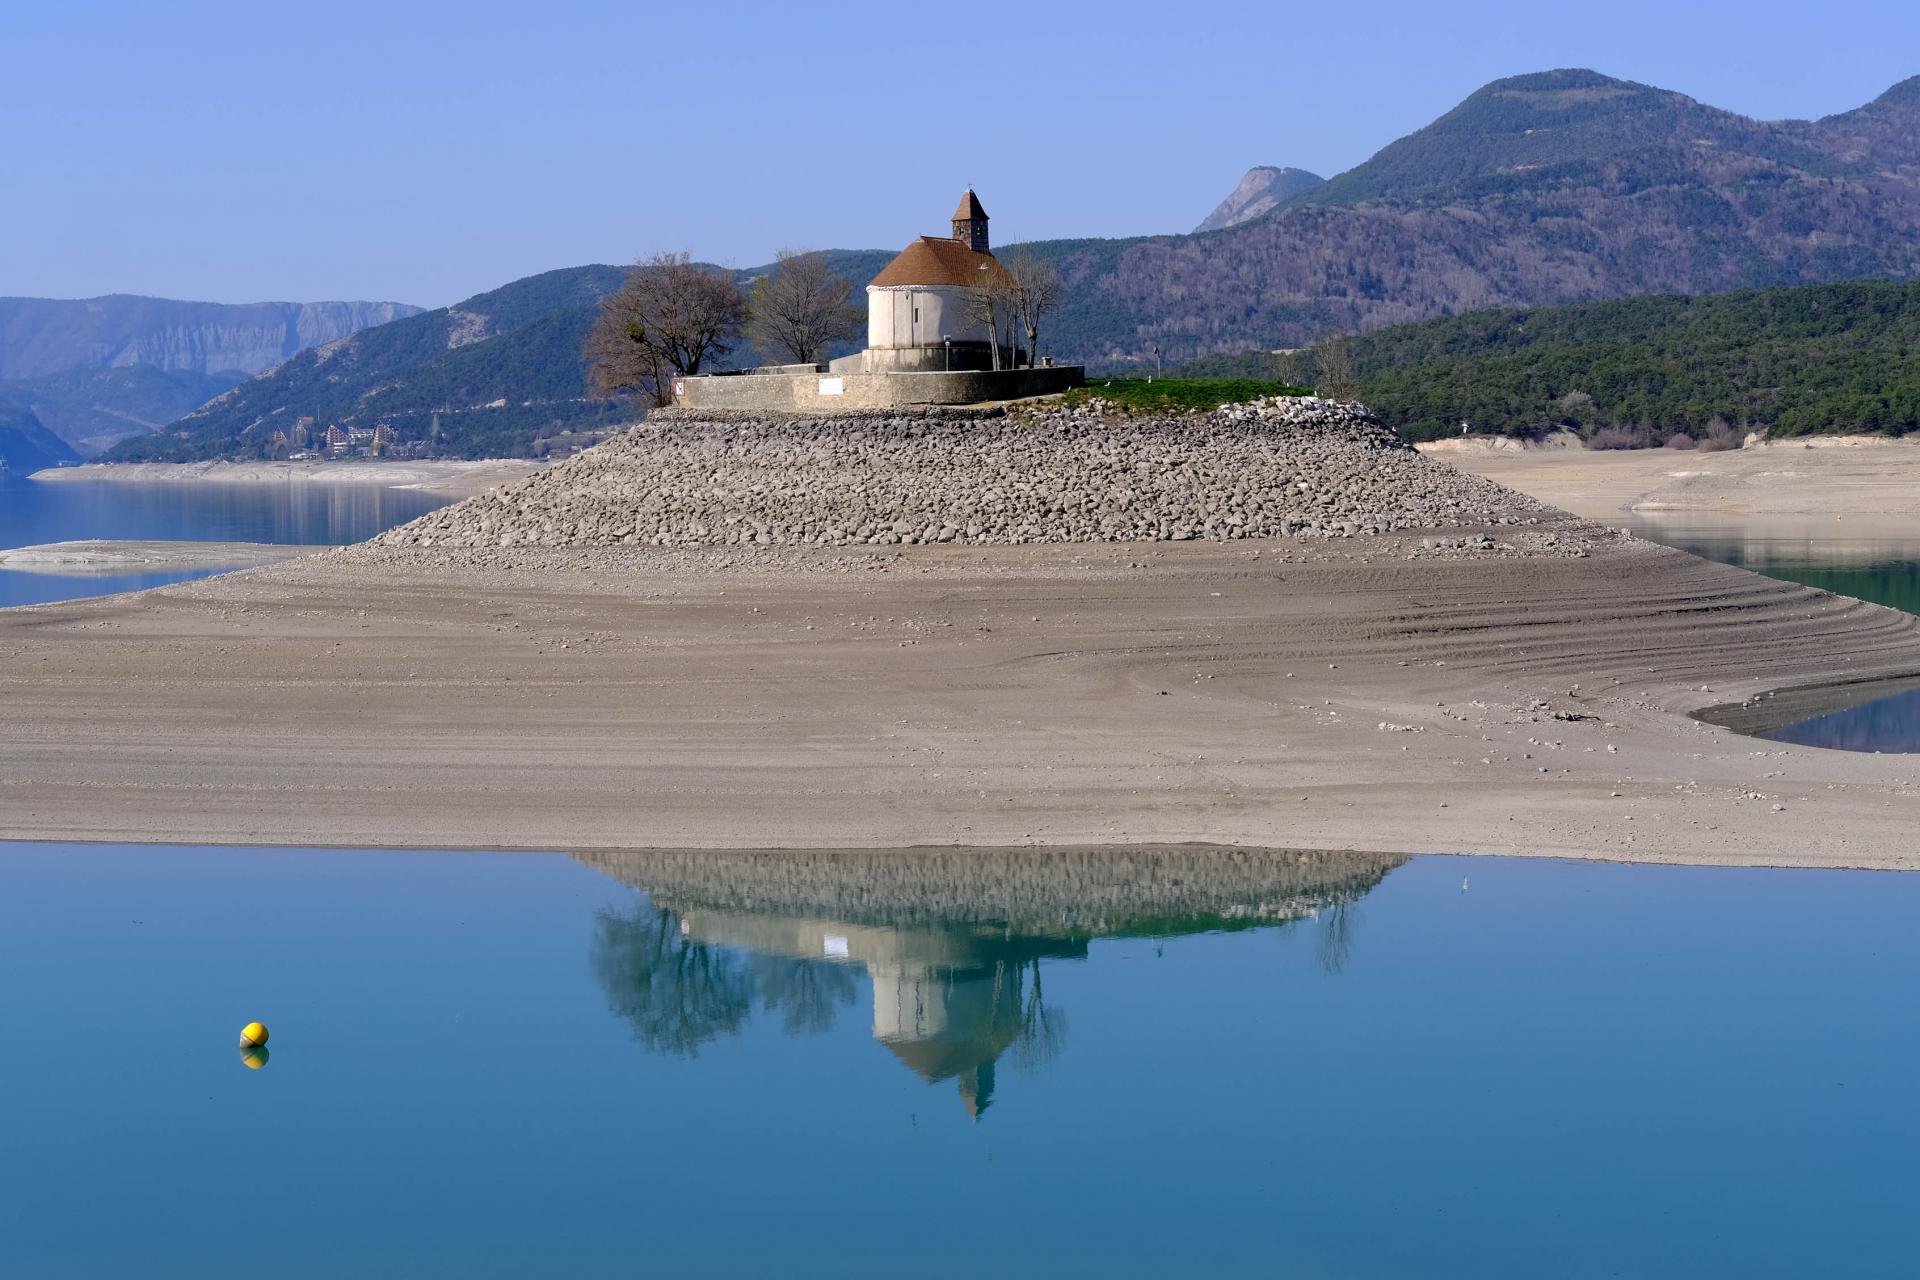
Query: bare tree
x,y
801,307
1286,366
672,316
1035,292
1333,369
991,303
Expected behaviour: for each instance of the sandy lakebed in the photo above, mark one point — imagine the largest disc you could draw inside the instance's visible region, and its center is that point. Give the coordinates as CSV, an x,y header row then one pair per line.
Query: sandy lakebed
x,y
1866,482
1528,683
1328,696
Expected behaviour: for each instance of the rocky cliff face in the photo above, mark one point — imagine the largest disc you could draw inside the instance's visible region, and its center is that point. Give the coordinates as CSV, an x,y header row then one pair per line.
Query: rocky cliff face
x,y
1263,190
41,336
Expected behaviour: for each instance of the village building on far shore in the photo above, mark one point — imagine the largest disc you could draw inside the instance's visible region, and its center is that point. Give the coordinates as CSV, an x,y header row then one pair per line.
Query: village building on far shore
x,y
926,343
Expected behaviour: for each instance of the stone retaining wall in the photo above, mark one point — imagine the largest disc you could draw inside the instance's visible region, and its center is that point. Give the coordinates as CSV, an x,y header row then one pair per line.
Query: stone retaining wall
x,y
815,393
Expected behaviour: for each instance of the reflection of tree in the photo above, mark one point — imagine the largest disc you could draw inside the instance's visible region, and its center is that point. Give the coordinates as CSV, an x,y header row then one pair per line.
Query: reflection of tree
x,y
680,993
1338,924
808,993
1043,1030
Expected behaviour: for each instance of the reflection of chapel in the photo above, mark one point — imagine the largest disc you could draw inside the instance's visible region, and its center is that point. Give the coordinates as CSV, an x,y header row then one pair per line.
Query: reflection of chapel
x,y
918,306
946,1002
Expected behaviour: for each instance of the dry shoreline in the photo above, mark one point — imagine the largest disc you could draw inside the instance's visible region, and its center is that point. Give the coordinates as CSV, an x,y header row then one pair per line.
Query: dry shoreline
x,y
1354,695
1863,486
458,478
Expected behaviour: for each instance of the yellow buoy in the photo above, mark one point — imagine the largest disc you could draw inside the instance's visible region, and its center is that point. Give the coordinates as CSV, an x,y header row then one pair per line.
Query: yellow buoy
x,y
253,1035
254,1059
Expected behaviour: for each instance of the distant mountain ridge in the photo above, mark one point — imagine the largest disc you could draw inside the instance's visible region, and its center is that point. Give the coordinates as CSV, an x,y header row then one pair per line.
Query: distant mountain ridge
x,y
1536,190
1263,189
96,370
486,375
39,336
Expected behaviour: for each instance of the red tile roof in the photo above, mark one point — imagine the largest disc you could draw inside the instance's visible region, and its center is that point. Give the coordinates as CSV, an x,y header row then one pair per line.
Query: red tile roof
x,y
969,208
934,260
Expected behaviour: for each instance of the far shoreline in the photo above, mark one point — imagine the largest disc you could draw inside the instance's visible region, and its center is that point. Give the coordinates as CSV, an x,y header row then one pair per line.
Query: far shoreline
x,y
1858,486
459,478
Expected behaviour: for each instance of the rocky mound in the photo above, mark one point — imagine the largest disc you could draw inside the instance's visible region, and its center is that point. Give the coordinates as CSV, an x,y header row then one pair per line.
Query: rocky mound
x,y
1287,467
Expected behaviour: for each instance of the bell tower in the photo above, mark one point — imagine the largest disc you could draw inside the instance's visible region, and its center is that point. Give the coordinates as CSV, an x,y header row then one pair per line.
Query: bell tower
x,y
970,223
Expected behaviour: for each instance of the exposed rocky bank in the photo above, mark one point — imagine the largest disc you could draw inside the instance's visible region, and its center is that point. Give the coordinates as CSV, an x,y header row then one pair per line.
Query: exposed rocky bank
x,y
1288,467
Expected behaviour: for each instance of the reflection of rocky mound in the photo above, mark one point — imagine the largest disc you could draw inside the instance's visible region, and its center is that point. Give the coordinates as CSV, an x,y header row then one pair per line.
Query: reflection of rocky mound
x,y
1035,892
1285,467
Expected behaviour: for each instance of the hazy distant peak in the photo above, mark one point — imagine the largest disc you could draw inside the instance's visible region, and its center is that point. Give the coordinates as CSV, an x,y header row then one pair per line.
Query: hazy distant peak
x,y
1264,188
42,336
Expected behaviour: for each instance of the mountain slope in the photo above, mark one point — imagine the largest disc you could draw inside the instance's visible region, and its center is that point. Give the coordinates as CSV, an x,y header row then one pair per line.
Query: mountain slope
x,y
438,374
25,445
1557,130
1538,190
92,409
1264,189
40,336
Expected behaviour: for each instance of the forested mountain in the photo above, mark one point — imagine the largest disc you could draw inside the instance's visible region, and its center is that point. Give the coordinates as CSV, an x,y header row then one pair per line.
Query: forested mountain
x,y
483,377
441,376
96,369
1537,190
1814,359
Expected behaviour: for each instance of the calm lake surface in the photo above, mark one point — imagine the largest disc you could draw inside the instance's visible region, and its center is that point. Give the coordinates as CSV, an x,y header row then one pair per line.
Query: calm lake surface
x,y
34,512
1120,1065
1882,570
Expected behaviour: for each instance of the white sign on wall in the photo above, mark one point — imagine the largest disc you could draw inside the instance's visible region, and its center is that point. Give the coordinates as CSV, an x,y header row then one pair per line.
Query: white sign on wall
x,y
832,387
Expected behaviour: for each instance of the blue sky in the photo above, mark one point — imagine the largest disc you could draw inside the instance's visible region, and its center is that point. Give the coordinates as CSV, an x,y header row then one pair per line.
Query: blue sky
x,y
424,152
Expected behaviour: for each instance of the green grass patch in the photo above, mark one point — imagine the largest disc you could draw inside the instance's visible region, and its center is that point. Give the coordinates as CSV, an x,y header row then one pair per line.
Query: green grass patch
x,y
1177,395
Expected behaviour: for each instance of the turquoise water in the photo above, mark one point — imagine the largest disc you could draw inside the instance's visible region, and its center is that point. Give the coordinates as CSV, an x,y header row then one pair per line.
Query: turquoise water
x,y
1886,724
1888,575
34,512
494,1065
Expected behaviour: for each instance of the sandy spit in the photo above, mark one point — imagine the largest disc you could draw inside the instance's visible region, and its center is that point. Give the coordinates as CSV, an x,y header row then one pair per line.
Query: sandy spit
x,y
1363,694
437,476
118,556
